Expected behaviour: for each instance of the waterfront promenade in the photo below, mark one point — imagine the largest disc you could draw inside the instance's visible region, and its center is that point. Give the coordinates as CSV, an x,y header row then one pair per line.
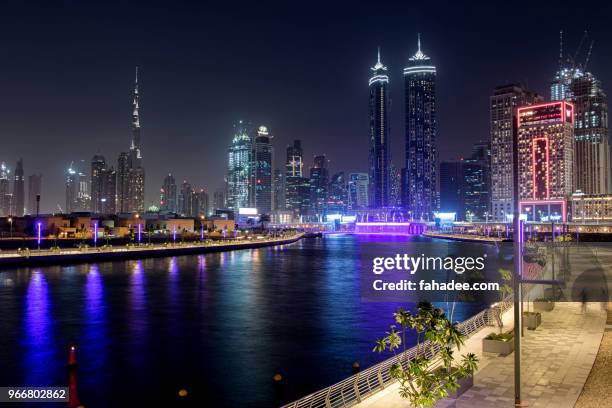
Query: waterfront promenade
x,y
556,357
135,251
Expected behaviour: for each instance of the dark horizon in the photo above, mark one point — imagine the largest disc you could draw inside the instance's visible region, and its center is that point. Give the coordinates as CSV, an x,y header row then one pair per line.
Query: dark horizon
x,y
68,72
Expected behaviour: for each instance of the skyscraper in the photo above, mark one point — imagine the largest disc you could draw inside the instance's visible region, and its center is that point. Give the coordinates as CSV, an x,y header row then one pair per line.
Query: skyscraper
x,y
34,192
358,196
261,182
278,190
421,181
123,183
294,167
239,170
319,180
6,197
546,160
219,199
574,84
379,174
108,191
503,104
395,186
78,196
19,190
186,200
337,197
130,172
476,183
98,164
168,198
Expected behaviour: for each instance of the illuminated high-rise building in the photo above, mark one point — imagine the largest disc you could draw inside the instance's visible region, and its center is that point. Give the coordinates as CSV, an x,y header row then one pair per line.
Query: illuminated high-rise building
x,y
130,171
294,177
379,174
239,169
337,196
18,190
421,195
108,191
185,200
123,183
477,183
98,164
168,197
358,195
545,140
78,195
278,184
218,199
319,180
395,186
6,197
261,181
574,84
503,104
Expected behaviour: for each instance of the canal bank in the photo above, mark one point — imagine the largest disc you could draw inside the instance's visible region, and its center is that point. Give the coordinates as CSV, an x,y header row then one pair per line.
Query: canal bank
x,y
104,253
465,237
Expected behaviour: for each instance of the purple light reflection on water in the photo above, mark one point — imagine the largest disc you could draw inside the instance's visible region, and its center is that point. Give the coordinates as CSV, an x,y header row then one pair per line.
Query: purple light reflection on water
x,y
94,345
138,301
38,339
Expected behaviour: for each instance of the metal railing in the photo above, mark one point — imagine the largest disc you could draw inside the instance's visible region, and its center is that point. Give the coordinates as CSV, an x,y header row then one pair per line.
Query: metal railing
x,y
356,388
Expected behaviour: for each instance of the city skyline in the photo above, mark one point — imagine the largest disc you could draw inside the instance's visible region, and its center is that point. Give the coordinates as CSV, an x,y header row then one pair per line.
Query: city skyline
x,y
176,92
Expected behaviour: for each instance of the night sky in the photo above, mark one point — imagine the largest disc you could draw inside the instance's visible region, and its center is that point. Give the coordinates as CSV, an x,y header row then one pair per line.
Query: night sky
x,y
301,68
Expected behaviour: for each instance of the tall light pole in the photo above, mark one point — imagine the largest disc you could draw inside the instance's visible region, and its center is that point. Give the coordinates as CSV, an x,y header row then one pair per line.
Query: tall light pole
x,y
95,234
39,235
518,266
10,220
201,228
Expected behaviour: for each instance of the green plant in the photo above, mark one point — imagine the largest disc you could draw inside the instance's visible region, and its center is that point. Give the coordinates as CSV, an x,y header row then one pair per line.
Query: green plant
x,y
420,383
507,336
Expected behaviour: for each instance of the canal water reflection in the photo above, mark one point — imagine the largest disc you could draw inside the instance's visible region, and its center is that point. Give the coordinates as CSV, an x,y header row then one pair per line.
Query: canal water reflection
x,y
218,325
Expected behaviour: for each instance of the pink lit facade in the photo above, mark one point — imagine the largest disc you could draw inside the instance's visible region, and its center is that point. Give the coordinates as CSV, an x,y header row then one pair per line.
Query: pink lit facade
x,y
545,135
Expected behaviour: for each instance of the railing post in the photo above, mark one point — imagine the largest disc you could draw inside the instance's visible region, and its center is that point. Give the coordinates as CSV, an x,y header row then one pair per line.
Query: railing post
x,y
380,379
327,402
356,388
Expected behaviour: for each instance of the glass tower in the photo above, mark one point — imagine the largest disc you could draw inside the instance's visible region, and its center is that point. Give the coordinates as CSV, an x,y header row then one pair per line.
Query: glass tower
x,y
421,196
379,188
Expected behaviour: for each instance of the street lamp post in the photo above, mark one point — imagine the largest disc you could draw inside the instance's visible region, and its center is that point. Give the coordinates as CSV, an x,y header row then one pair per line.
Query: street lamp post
x,y
39,234
201,228
95,235
10,220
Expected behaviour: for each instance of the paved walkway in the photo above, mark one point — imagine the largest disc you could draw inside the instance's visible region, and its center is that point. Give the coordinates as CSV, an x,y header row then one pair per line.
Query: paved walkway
x,y
557,359
600,379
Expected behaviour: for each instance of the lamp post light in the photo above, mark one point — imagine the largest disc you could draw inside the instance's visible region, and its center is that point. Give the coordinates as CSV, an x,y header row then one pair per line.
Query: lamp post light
x,y
95,234
10,220
39,234
201,228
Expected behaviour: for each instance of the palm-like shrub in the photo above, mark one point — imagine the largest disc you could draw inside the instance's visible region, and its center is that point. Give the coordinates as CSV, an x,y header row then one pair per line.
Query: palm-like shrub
x,y
423,383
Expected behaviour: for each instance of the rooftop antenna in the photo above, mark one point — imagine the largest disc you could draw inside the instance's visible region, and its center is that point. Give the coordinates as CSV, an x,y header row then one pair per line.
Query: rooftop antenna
x,y
379,54
588,57
419,41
